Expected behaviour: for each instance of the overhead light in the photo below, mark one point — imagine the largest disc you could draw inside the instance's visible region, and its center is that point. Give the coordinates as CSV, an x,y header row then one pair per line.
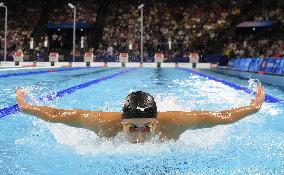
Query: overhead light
x,y
141,6
71,5
1,4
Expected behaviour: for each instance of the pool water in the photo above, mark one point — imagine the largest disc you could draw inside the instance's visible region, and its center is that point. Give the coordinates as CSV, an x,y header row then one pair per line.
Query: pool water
x,y
254,145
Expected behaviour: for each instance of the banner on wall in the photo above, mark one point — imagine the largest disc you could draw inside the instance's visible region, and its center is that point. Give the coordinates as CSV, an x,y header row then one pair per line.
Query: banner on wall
x,y
256,24
270,65
279,66
266,65
255,64
244,64
68,25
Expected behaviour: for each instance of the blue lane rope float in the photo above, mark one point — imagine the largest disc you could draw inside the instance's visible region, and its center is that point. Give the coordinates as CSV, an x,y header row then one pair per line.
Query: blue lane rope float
x,y
45,71
15,108
268,98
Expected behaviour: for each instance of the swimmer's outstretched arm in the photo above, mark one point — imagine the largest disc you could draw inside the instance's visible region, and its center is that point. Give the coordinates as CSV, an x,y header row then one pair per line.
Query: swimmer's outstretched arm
x,y
204,119
94,120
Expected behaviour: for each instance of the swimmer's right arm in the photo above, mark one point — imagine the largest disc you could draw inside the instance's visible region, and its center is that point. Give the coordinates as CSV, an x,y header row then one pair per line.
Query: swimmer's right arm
x,y
77,118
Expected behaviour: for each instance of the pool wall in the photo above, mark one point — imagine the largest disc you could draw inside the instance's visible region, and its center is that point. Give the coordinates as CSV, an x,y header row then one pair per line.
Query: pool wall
x,y
106,64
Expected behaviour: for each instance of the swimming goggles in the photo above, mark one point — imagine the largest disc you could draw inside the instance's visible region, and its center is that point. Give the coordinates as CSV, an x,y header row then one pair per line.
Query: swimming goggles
x,y
135,128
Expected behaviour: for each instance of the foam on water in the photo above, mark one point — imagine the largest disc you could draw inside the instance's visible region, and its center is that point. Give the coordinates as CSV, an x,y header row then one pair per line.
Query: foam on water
x,y
213,92
168,102
87,142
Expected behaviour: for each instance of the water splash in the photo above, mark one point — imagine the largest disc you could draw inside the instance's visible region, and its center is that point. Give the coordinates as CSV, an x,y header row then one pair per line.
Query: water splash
x,y
252,84
168,102
205,138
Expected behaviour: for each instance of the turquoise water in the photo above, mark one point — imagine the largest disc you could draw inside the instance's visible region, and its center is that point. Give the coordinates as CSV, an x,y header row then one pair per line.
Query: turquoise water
x,y
254,145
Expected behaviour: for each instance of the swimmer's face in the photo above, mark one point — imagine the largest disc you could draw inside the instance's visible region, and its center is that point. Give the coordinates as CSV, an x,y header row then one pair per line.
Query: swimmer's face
x,y
140,129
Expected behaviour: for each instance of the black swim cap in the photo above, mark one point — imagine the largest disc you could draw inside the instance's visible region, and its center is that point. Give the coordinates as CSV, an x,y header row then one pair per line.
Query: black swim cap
x,y
139,105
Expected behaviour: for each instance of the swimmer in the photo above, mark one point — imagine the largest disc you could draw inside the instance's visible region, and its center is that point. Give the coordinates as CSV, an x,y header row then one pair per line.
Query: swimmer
x,y
139,119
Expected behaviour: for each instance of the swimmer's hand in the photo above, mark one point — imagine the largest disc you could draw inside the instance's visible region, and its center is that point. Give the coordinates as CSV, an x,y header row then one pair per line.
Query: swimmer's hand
x,y
259,98
21,98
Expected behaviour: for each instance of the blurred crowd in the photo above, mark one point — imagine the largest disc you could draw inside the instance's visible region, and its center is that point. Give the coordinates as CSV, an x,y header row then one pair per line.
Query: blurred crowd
x,y
85,12
168,27
261,48
21,22
276,14
263,45
173,28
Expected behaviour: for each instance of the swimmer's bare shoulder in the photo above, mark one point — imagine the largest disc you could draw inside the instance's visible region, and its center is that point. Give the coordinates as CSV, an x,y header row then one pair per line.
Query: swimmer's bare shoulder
x,y
173,123
106,124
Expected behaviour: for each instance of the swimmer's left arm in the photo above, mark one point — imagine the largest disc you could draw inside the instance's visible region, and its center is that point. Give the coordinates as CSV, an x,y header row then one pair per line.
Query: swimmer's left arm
x,y
203,119
236,114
